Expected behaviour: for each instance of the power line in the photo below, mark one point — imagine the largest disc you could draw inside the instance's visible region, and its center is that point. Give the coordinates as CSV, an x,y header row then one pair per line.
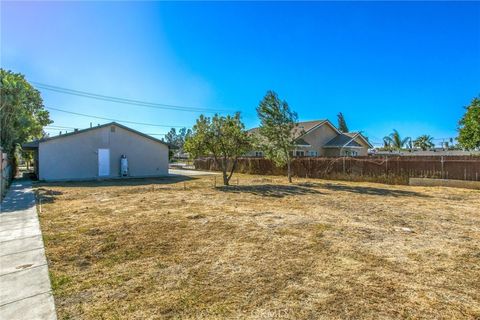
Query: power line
x,y
154,105
116,120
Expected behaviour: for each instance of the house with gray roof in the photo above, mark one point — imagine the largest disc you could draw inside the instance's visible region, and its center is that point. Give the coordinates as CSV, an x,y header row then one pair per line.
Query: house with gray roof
x,y
106,151
320,138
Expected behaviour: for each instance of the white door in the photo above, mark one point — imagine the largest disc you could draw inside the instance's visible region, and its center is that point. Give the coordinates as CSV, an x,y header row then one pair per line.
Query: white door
x,y
103,162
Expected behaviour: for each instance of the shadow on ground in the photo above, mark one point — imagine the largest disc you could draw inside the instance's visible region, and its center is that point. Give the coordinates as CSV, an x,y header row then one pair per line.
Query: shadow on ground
x,y
373,191
116,182
47,195
267,190
16,200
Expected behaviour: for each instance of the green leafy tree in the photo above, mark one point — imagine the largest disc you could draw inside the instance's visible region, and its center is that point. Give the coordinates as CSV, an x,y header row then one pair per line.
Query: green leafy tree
x,y
424,142
171,136
223,138
22,114
469,126
277,130
178,139
395,141
342,124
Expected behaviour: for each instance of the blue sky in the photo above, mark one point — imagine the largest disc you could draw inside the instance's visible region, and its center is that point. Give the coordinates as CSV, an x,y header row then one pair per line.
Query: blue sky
x,y
411,66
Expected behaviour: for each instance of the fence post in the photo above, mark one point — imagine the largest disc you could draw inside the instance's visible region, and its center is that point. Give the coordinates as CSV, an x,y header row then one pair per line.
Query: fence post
x,y
343,164
386,165
442,167
465,173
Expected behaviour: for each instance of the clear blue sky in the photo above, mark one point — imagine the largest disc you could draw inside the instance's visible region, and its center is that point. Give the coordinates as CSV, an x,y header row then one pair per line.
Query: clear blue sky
x,y
411,66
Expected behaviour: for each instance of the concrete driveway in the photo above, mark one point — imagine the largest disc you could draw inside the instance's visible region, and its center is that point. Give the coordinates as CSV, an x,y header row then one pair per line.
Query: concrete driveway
x,y
25,291
191,173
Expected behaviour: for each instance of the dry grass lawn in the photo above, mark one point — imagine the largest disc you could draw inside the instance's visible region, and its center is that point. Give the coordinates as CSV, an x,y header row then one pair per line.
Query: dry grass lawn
x,y
148,249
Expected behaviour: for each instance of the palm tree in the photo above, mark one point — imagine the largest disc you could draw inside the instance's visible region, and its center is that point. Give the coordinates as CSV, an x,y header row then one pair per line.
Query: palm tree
x,y
395,141
424,142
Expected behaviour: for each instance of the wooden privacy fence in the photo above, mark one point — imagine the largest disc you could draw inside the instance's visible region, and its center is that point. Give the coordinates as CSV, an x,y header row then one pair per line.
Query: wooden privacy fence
x,y
5,174
380,169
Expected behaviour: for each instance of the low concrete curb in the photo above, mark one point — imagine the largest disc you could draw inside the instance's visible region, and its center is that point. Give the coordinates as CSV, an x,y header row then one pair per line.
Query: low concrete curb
x,y
24,280
427,182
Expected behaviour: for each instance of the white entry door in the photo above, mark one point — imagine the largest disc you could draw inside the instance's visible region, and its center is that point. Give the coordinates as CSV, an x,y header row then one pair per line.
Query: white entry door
x,y
103,162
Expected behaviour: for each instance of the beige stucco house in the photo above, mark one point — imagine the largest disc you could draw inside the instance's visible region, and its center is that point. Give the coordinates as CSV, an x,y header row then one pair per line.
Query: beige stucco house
x,y
97,152
320,138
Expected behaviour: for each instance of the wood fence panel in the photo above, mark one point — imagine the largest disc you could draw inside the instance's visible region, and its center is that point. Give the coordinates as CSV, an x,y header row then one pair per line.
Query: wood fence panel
x,y
382,169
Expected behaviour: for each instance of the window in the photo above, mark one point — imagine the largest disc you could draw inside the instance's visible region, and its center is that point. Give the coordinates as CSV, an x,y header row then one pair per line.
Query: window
x,y
313,153
351,153
258,154
299,153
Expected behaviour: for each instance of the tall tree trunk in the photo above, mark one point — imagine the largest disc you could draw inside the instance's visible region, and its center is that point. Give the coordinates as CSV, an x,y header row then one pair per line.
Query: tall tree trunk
x,y
289,170
233,168
224,172
225,178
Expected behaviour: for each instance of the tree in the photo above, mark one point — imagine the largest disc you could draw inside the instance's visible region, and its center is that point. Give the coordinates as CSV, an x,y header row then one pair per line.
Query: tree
x,y
277,130
22,114
469,126
395,141
224,138
424,142
178,139
342,124
171,136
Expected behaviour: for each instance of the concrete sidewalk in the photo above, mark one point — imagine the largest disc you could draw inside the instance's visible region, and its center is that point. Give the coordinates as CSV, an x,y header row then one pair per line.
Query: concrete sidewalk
x,y
25,291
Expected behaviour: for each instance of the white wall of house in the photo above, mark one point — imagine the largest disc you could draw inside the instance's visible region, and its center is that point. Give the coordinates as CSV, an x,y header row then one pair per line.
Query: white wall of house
x,y
75,157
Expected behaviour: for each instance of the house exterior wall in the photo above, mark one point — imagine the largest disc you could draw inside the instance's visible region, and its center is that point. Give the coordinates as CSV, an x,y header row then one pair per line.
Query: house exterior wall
x,y
332,152
362,152
318,137
342,152
75,157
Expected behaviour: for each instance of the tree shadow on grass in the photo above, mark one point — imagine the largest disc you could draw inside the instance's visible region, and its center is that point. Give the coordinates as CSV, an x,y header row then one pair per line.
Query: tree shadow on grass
x,y
374,191
171,179
268,190
47,195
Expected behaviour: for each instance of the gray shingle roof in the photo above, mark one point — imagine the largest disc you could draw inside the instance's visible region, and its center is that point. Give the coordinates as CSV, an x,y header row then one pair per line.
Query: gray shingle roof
x,y
342,140
301,142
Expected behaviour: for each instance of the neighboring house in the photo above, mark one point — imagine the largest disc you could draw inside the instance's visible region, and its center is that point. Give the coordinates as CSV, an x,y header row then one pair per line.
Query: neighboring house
x,y
96,152
321,138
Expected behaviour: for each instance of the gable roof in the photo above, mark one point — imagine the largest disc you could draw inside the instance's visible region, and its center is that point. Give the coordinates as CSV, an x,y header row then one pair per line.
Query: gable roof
x,y
302,128
342,140
346,139
34,144
300,142
361,136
